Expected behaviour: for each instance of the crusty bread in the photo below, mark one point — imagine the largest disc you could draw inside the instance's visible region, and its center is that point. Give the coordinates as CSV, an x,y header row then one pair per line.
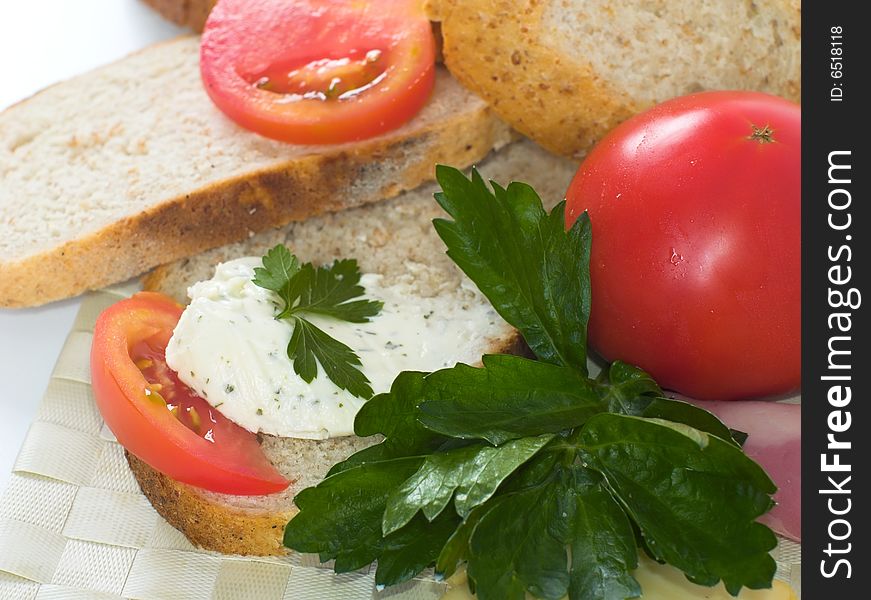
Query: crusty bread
x,y
250,525
193,14
130,166
564,72
187,13
395,238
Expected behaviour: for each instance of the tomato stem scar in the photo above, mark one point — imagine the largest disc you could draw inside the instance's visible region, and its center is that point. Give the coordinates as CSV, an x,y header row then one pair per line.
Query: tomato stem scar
x,y
764,135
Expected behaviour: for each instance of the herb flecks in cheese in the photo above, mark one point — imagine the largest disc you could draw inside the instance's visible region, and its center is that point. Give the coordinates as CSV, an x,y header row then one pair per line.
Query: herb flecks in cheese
x,y
229,345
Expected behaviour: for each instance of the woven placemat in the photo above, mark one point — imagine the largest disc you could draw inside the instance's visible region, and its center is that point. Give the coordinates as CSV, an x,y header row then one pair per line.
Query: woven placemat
x,y
73,523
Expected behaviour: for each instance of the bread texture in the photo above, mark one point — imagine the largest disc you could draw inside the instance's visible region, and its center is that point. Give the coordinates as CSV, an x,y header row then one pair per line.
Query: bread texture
x,y
131,166
187,13
394,238
248,525
564,72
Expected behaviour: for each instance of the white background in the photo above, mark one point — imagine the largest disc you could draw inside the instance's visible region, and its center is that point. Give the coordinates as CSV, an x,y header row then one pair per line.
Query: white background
x,y
42,42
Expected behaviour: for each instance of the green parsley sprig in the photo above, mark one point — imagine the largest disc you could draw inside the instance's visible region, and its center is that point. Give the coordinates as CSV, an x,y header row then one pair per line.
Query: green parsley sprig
x,y
327,291
541,479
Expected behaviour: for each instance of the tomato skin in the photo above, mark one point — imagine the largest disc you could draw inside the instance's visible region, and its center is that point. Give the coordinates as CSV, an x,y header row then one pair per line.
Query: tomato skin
x,y
227,459
246,42
696,254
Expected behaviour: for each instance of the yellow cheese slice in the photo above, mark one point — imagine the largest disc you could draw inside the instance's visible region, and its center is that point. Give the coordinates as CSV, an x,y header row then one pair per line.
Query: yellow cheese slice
x,y
664,582
658,582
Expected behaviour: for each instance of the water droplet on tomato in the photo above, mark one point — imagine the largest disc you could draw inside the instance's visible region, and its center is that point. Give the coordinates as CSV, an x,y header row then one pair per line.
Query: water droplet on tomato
x,y
676,258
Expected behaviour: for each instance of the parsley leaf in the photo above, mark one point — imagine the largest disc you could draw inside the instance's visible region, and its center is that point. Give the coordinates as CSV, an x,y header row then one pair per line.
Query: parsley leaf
x,y
352,534
696,499
340,363
628,390
599,534
512,550
523,260
325,291
473,472
510,397
570,508
393,415
584,488
543,480
456,548
689,414
330,291
279,267
413,548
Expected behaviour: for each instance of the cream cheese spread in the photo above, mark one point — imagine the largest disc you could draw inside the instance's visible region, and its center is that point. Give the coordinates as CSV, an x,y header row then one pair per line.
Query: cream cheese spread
x,y
230,349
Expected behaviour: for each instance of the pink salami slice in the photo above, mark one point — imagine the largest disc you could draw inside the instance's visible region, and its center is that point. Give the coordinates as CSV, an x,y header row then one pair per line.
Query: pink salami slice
x,y
774,441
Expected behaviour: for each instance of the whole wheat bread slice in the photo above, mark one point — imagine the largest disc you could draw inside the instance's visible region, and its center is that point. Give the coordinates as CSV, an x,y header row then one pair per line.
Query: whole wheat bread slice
x,y
564,72
131,165
394,238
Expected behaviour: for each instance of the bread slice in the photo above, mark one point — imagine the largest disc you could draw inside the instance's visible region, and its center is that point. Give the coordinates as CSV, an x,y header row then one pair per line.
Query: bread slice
x,y
564,72
130,166
187,13
394,238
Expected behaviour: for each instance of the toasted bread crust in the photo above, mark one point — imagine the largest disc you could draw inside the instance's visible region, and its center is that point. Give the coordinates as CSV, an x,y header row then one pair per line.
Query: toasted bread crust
x,y
234,209
207,524
187,13
193,14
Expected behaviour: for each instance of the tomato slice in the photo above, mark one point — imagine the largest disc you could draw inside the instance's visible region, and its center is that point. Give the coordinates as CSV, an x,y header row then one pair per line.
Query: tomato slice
x,y
157,417
318,71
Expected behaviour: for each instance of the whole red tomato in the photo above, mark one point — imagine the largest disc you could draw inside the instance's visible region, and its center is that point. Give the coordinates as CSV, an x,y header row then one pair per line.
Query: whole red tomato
x,y
696,253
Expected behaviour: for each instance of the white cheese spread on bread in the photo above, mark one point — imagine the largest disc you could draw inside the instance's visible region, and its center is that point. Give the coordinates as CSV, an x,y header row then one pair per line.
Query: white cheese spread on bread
x,y
230,349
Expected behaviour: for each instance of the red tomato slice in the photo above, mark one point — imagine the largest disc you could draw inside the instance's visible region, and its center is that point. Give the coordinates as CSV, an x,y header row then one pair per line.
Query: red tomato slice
x,y
157,417
318,71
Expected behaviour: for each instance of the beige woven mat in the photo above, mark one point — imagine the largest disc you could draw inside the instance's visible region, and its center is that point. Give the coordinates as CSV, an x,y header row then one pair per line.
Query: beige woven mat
x,y
73,523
